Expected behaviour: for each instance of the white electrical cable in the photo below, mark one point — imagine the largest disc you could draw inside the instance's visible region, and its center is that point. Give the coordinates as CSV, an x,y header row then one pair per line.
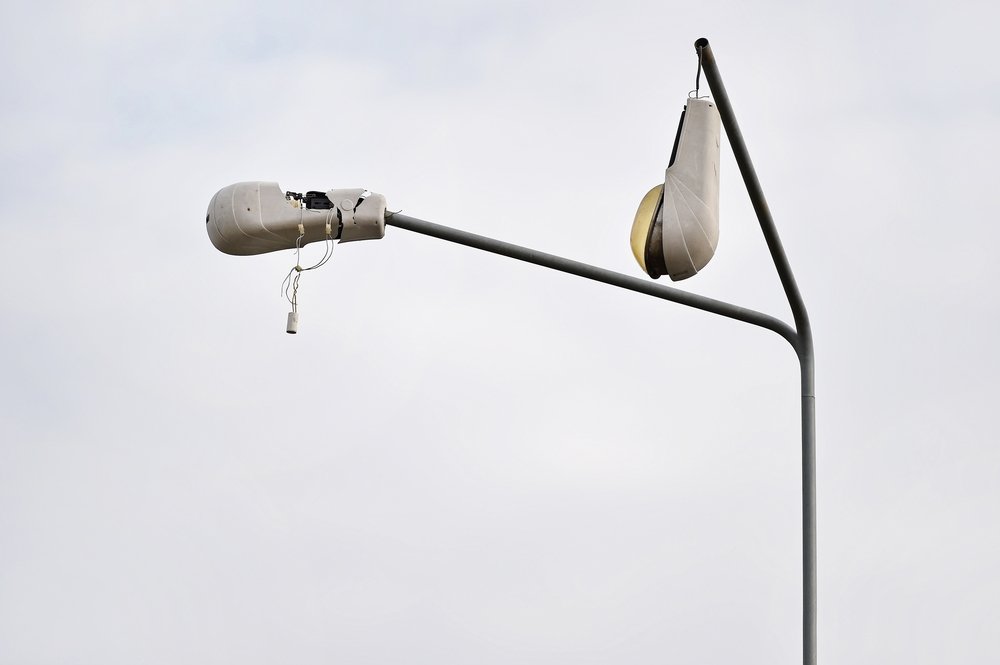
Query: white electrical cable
x,y
292,283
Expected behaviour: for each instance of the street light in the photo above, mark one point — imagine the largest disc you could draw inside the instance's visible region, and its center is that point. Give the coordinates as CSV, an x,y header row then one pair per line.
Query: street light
x,y
273,220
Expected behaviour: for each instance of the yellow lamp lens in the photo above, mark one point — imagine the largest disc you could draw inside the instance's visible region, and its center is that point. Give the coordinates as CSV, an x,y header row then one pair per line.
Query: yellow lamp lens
x,y
644,219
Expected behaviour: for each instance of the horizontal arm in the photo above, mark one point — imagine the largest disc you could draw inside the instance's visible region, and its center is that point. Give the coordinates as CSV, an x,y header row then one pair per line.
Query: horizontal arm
x,y
592,272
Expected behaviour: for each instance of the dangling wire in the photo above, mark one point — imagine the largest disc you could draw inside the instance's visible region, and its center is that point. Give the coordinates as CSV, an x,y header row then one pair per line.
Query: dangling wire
x,y
697,76
292,283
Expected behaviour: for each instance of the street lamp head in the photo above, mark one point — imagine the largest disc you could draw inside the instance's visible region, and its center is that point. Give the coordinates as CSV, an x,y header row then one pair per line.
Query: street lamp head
x,y
258,217
676,228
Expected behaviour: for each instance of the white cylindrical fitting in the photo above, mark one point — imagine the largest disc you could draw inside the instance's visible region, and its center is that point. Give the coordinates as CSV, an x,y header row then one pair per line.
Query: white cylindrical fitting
x,y
293,323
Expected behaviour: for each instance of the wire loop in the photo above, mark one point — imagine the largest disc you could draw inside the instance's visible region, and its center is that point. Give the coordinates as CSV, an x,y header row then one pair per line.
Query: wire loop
x,y
292,283
697,76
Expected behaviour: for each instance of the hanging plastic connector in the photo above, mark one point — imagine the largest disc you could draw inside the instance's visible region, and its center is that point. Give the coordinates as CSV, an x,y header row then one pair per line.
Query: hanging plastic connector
x,y
290,286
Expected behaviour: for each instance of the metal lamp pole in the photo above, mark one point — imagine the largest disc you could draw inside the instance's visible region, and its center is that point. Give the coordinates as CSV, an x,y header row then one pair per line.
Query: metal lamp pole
x,y
800,337
803,345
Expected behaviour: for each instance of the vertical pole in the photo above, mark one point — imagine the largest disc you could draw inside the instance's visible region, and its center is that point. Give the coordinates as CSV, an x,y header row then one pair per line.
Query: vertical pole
x,y
809,608
803,346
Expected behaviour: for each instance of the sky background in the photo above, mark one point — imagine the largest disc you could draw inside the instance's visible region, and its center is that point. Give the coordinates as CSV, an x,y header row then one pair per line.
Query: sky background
x,y
464,459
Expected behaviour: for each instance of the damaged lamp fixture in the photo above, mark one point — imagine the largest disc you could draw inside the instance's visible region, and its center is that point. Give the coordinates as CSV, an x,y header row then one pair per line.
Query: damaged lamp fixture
x,y
675,232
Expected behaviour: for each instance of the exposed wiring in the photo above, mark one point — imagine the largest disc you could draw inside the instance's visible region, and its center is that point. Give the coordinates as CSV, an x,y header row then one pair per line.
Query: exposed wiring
x,y
291,283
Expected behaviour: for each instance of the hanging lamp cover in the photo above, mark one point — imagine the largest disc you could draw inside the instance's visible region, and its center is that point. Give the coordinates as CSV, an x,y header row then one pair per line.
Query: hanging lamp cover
x,y
676,228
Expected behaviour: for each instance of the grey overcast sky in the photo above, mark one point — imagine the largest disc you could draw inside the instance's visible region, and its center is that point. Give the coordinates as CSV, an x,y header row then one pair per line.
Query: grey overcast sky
x,y
463,459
